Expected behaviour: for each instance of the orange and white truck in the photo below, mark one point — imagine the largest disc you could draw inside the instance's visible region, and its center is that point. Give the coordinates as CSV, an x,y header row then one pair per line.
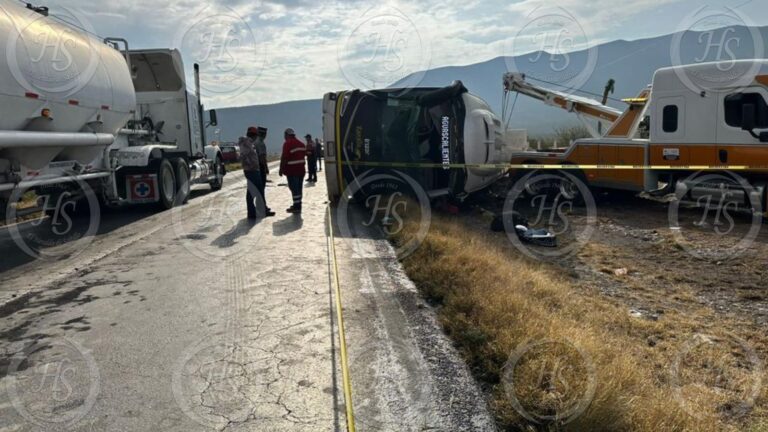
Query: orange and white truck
x,y
670,131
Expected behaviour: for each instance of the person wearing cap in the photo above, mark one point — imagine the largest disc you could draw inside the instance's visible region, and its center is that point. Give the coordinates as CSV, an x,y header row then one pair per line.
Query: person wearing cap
x,y
320,154
311,160
292,165
250,161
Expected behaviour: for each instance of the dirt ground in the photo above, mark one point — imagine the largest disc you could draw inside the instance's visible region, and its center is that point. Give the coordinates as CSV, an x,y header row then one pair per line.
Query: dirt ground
x,y
696,274
653,256
686,268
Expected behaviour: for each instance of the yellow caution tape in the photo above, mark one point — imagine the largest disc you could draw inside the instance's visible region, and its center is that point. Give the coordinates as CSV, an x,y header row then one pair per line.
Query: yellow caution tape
x,y
555,166
346,383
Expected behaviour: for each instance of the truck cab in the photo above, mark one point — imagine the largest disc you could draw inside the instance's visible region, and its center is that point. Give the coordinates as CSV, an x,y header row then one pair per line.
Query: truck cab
x,y
164,105
167,124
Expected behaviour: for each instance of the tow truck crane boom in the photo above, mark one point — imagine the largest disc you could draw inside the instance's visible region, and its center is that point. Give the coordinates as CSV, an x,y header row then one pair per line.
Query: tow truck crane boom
x,y
584,108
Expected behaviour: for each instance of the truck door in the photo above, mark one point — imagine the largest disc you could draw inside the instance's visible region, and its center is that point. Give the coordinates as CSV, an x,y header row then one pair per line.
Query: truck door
x,y
734,145
668,132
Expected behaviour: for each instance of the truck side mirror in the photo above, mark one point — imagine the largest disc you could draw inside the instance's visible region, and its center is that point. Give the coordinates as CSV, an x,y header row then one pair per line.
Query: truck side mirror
x,y
748,117
212,118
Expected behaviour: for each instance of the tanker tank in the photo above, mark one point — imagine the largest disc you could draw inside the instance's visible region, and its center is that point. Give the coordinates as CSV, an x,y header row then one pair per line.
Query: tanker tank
x,y
64,94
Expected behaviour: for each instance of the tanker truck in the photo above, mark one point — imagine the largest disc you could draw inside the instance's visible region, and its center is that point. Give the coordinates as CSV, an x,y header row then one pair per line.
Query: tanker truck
x,y
85,116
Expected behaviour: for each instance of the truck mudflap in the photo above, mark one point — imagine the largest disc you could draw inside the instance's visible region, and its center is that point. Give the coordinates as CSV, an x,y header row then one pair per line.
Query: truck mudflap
x,y
141,188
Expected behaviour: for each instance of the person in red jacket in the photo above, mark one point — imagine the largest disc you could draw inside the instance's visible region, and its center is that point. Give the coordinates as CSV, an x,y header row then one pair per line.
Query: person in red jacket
x,y
292,165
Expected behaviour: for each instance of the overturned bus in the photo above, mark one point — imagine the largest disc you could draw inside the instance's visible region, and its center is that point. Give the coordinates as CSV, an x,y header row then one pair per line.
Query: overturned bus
x,y
426,134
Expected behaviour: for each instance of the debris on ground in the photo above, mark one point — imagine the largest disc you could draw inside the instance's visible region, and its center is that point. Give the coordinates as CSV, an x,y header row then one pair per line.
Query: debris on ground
x,y
535,236
539,237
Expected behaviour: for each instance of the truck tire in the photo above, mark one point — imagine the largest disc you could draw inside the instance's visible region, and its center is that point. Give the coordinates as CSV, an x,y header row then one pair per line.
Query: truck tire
x,y
76,208
183,185
218,180
166,183
106,205
569,185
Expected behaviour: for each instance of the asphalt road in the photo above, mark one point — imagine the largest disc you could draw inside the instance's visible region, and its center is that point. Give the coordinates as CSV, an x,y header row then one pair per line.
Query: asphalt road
x,y
195,319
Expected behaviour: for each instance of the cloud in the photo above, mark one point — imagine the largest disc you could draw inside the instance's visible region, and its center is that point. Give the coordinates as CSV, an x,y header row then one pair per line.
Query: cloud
x,y
300,49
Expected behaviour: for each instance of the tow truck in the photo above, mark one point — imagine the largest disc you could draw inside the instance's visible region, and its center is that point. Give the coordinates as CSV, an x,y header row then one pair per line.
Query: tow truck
x,y
667,134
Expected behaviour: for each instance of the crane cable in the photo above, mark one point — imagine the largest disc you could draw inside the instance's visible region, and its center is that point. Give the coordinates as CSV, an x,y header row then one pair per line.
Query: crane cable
x,y
573,89
508,117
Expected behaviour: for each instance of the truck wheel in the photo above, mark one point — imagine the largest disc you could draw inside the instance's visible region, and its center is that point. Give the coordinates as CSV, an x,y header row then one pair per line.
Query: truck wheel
x,y
75,208
569,185
218,171
183,185
762,198
166,181
106,205
75,205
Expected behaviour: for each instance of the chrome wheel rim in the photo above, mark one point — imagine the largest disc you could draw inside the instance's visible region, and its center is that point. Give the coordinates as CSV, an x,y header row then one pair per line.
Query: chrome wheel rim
x,y
168,186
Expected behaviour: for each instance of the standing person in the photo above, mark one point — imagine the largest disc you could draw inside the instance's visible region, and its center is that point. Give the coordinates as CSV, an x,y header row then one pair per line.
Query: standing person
x,y
257,135
311,160
249,159
292,165
320,153
261,148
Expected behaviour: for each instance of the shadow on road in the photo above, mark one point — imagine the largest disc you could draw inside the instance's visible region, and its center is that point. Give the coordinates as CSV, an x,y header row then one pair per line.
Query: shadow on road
x,y
288,225
228,239
13,255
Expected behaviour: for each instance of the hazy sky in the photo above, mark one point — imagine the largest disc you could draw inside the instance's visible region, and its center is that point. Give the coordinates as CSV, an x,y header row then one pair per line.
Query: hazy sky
x,y
256,52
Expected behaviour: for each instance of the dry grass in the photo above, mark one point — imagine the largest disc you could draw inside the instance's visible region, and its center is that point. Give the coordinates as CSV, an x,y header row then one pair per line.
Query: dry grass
x,y
27,201
492,303
233,166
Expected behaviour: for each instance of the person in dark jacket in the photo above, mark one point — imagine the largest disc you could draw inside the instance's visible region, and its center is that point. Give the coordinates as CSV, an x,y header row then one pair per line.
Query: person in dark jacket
x,y
292,165
320,154
256,135
311,160
249,159
261,149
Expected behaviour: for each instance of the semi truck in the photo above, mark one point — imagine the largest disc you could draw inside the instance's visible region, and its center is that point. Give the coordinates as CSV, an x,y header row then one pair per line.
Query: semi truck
x,y
84,114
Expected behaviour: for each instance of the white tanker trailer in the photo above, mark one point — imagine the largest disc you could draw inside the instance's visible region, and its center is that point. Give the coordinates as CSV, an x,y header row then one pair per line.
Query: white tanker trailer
x,y
78,113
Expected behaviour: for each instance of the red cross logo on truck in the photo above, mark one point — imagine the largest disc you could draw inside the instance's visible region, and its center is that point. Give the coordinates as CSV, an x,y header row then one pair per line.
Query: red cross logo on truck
x,y
142,188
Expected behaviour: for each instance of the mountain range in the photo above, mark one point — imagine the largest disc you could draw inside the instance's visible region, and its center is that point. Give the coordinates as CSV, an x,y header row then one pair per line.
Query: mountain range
x,y
630,63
